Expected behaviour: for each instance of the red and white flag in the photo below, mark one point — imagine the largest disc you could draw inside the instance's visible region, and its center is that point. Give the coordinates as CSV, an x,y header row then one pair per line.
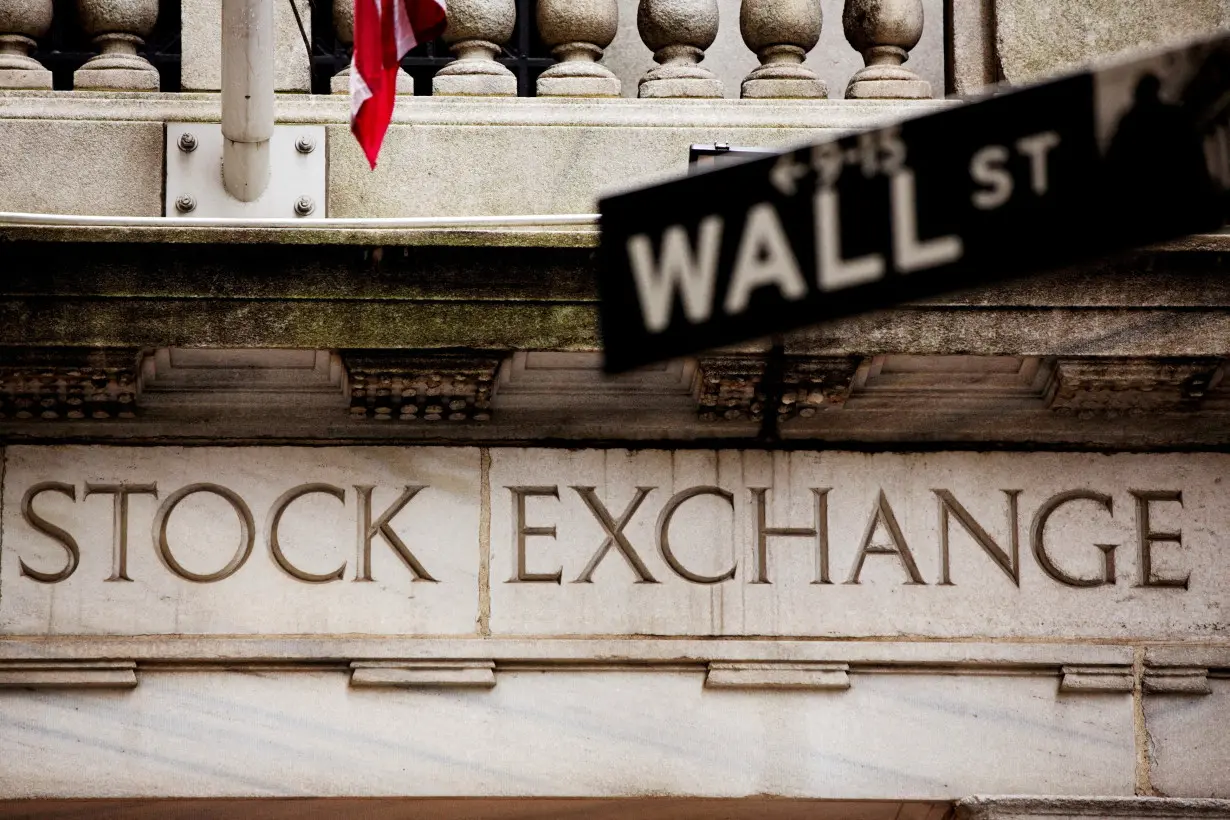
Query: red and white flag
x,y
384,30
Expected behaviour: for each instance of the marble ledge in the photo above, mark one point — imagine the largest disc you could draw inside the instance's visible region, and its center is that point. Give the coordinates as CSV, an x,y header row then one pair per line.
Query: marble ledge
x,y
1096,679
172,234
441,673
86,674
1177,680
795,676
423,674
887,655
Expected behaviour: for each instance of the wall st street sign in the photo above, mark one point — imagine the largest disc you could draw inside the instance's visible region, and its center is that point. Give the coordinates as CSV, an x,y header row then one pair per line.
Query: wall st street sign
x,y
1109,159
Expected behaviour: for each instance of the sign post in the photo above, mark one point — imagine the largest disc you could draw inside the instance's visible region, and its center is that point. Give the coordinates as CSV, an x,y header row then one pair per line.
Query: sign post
x,y
1031,179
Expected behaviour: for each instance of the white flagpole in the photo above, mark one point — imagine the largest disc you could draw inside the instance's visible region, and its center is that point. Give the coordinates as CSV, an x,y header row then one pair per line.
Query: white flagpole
x,y
247,96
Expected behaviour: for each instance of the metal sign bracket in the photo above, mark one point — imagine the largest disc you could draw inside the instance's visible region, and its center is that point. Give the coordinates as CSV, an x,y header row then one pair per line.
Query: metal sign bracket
x,y
194,174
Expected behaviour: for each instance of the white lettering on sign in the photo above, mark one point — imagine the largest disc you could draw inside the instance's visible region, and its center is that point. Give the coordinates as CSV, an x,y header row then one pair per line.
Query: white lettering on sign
x,y
832,271
911,254
764,259
688,269
680,269
989,168
1038,149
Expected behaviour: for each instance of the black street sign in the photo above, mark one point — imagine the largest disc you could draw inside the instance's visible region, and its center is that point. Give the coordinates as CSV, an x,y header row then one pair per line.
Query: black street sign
x,y
1026,180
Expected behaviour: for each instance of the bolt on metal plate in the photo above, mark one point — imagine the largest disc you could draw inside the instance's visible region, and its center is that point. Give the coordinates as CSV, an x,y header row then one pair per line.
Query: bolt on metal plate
x,y
296,189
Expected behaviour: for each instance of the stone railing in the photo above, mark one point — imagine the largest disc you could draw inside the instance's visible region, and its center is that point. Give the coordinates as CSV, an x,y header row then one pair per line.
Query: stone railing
x,y
781,33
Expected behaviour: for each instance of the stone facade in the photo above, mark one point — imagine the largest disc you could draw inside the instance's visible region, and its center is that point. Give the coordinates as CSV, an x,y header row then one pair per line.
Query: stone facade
x,y
348,514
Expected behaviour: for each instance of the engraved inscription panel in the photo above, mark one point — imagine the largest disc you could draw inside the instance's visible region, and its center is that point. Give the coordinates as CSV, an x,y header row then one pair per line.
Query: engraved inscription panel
x,y
857,544
392,540
108,540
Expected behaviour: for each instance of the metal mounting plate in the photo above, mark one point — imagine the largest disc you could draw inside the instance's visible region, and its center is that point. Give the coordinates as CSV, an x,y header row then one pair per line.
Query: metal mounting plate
x,y
197,173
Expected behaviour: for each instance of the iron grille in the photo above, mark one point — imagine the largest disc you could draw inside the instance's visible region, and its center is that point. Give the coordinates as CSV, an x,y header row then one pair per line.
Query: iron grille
x,y
524,54
66,47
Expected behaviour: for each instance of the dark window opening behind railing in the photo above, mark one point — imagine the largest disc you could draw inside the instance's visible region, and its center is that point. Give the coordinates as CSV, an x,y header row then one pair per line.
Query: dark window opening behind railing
x,y
524,53
66,47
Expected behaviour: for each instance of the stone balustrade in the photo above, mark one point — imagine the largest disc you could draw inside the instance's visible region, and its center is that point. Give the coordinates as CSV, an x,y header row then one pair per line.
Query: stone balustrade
x,y
577,33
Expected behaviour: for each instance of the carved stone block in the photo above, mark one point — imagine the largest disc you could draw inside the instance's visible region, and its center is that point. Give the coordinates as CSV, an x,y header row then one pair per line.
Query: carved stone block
x,y
1096,679
729,388
1177,680
810,383
1114,386
419,674
72,674
778,675
421,386
50,384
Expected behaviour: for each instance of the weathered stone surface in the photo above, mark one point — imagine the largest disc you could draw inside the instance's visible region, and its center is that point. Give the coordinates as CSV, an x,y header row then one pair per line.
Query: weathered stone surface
x,y
1110,387
972,63
678,32
201,46
76,384
884,32
205,536
477,29
339,83
781,34
570,167
1188,754
567,733
577,33
29,18
387,386
1038,38
33,78
560,155
82,167
1106,808
21,22
118,28
729,58
717,584
115,78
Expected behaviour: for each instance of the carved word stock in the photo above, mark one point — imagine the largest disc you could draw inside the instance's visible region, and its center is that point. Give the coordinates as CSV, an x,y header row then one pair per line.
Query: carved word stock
x,y
880,518
368,529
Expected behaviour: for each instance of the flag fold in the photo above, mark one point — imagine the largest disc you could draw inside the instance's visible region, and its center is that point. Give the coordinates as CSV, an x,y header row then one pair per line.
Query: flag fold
x,y
384,30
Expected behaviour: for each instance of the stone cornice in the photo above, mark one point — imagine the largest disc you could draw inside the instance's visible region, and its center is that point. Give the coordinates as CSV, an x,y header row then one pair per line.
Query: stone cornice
x,y
52,393
486,111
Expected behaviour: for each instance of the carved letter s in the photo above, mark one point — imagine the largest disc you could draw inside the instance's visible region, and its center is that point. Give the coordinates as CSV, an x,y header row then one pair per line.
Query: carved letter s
x,y
51,531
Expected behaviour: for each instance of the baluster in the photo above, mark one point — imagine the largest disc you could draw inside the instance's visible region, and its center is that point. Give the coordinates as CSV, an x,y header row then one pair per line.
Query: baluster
x,y
476,31
343,24
781,32
21,22
118,29
884,32
577,31
678,32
